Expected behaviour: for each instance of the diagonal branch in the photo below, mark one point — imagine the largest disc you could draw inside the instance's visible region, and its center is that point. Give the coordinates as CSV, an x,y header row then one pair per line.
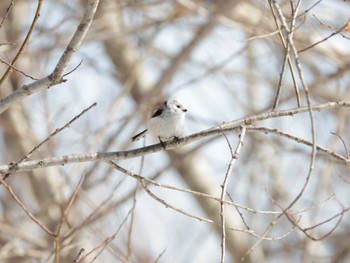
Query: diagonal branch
x,y
25,41
179,60
57,76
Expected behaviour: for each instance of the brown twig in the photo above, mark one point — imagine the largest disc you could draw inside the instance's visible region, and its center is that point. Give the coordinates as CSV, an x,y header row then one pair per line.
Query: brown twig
x,y
26,39
7,13
25,209
102,245
18,70
93,215
78,257
344,144
324,39
74,69
56,76
64,217
305,230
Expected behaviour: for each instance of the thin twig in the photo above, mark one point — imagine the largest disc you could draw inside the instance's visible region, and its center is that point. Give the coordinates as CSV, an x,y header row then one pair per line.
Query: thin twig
x,y
160,255
92,215
25,209
26,40
18,70
74,69
7,44
56,77
298,140
167,205
77,259
290,64
239,212
130,230
305,230
64,217
345,180
7,13
324,39
234,157
198,194
58,130
144,180
267,230
108,240
312,121
344,144
182,57
222,64
308,100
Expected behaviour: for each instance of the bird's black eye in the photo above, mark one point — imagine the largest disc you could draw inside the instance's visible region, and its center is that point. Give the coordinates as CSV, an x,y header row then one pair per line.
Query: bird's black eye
x,y
178,106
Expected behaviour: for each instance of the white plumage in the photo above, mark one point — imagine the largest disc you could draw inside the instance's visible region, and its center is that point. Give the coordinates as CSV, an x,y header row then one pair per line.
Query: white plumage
x,y
166,122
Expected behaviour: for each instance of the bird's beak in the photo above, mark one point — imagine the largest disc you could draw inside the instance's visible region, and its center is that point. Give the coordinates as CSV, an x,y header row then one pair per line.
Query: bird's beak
x,y
184,110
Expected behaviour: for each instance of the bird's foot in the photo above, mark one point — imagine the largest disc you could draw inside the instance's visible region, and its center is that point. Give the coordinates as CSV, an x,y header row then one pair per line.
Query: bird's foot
x,y
176,139
162,143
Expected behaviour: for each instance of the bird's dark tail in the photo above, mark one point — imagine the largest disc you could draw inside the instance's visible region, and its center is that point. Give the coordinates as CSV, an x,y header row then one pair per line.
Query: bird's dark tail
x,y
139,136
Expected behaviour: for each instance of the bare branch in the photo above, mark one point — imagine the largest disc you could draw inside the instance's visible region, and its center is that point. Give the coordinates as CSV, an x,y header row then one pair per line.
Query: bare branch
x,y
25,41
7,12
123,155
18,70
56,77
58,130
234,157
20,203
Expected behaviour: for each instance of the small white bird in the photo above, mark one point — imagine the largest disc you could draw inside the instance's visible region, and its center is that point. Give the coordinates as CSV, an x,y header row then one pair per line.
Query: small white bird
x,y
166,122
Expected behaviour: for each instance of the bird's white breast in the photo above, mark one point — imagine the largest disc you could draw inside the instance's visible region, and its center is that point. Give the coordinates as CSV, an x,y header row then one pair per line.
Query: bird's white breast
x,y
167,126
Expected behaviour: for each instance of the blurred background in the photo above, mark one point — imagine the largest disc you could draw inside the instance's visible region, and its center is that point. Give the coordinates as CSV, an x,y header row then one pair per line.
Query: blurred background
x,y
223,59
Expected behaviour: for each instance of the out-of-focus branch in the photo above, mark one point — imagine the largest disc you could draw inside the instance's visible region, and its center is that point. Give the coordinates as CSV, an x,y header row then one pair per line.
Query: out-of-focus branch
x,y
7,13
183,57
56,77
25,41
25,209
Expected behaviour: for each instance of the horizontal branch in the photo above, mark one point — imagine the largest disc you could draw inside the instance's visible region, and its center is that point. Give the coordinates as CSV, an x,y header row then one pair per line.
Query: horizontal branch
x,y
123,155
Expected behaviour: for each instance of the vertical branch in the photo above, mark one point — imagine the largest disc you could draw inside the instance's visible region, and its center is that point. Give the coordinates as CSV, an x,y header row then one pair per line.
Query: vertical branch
x,y
131,227
234,157
286,59
308,99
64,217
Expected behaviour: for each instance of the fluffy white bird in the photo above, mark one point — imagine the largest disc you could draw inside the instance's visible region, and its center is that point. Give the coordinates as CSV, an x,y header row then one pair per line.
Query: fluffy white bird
x,y
166,122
